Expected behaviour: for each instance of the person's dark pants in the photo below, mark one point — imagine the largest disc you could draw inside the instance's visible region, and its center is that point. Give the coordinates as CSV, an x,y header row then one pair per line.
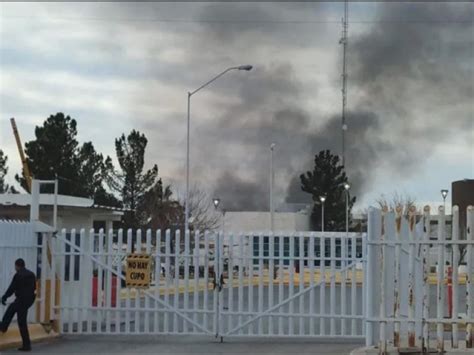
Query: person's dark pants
x,y
21,311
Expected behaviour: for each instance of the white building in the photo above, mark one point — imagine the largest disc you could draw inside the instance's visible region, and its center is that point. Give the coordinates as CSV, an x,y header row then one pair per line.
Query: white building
x,y
73,212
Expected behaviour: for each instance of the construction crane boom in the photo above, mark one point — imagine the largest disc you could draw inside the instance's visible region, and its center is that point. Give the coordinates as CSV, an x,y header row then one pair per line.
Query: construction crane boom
x,y
26,169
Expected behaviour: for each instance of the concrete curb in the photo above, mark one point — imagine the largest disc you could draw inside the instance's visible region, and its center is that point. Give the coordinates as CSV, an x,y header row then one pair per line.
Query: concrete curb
x,y
12,338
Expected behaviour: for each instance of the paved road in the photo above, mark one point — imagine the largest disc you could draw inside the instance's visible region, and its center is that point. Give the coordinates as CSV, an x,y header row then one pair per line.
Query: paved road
x,y
184,345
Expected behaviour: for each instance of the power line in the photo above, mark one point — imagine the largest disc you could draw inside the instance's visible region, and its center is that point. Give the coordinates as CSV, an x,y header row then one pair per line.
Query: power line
x,y
103,19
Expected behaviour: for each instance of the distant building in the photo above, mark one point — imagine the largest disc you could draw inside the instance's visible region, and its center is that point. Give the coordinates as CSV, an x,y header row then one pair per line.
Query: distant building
x,y
73,212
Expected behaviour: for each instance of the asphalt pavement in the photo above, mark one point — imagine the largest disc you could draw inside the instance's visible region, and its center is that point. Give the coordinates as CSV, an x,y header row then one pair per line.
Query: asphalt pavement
x,y
184,345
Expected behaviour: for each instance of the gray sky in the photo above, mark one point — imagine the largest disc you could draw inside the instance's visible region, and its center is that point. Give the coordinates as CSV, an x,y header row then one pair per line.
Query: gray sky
x,y
118,66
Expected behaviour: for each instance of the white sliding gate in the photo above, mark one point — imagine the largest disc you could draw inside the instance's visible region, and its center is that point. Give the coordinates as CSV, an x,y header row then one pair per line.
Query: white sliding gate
x,y
297,285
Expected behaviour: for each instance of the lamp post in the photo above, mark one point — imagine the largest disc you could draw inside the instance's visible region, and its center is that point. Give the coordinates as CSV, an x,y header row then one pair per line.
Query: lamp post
x,y
272,183
444,193
191,93
322,198
346,189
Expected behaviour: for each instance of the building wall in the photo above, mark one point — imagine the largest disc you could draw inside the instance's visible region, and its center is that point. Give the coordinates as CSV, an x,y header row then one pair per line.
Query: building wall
x,y
68,217
260,221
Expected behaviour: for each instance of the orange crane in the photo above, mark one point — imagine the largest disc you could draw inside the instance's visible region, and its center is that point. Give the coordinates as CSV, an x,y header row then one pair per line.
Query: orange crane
x,y
24,162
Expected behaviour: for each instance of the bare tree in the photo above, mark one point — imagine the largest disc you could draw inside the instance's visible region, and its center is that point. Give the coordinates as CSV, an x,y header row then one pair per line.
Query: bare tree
x,y
203,216
397,200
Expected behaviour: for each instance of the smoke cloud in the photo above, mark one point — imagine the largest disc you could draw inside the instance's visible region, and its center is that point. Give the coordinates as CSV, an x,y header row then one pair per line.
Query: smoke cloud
x,y
407,75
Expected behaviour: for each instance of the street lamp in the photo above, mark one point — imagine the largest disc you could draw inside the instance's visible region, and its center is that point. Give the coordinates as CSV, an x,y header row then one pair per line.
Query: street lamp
x,y
322,198
444,193
272,184
346,189
216,202
191,93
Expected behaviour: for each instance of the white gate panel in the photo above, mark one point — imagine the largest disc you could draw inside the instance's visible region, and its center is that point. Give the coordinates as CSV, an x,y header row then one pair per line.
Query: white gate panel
x,y
293,285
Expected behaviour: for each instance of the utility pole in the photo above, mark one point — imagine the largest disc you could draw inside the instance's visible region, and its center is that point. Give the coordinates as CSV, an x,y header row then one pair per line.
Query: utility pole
x,y
272,186
343,41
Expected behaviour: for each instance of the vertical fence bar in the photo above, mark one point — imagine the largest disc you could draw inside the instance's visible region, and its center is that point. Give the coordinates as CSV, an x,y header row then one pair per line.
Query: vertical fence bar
x,y
118,294
322,287
332,291
343,275
53,300
364,285
398,246
138,293
250,329
158,271
220,280
177,247
260,282
469,276
382,261
311,283
354,285
373,232
168,275
187,256
271,278
216,284
62,278
230,277
240,293
128,293
100,283
147,297
411,276
301,276
206,279
455,280
196,279
44,273
90,277
83,282
292,284
281,279
72,268
440,284
426,284
108,291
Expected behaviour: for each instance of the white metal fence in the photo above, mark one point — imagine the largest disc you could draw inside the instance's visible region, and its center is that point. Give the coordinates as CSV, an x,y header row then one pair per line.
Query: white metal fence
x,y
408,302
17,240
380,286
297,285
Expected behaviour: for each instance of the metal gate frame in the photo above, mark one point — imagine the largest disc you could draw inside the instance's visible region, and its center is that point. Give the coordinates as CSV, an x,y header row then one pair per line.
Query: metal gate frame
x,y
304,257
76,313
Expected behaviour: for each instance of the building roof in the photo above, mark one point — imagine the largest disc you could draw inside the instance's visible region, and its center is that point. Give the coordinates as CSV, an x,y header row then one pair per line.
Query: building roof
x,y
48,200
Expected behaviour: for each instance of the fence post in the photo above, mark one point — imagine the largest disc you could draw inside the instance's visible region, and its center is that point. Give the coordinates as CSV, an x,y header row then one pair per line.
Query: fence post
x,y
469,272
454,279
382,286
440,284
411,277
426,285
373,230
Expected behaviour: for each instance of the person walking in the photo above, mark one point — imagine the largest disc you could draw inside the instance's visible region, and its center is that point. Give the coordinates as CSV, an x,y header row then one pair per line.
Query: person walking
x,y
23,286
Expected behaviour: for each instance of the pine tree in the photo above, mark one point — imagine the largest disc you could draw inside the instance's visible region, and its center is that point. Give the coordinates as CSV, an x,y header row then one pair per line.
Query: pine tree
x,y
327,179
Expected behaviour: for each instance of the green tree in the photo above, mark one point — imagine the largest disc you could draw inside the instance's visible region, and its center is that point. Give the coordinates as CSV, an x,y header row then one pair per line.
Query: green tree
x,y
55,151
327,179
4,187
133,181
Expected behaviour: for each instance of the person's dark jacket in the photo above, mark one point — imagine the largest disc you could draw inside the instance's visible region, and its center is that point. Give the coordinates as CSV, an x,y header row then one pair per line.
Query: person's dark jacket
x,y
23,286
